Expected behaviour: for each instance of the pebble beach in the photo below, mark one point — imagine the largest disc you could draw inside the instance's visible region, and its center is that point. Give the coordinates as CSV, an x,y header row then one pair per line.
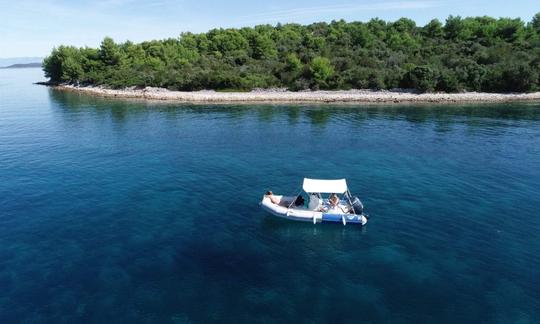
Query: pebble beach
x,y
284,96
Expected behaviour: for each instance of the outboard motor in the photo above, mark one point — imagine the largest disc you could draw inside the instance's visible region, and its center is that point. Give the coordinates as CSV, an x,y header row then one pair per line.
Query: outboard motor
x,y
357,206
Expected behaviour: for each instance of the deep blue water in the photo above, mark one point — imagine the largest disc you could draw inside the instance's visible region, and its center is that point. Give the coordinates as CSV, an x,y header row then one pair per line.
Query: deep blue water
x,y
118,211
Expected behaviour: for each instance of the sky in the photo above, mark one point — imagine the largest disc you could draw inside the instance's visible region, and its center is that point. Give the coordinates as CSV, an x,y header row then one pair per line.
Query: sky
x,y
34,27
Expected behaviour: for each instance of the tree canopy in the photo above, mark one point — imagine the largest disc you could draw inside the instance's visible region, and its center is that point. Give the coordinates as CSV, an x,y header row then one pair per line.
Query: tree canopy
x,y
463,54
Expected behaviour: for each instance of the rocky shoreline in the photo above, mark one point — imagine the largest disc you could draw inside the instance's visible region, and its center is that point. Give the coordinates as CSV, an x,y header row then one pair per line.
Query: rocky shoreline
x,y
284,96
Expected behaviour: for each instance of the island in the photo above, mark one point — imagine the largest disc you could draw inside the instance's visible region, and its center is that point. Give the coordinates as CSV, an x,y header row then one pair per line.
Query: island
x,y
464,59
22,66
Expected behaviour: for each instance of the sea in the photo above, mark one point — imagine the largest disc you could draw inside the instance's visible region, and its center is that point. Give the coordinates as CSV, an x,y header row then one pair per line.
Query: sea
x,y
126,211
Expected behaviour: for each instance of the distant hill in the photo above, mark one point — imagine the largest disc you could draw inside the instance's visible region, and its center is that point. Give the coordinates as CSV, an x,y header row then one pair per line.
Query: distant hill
x,y
22,66
7,61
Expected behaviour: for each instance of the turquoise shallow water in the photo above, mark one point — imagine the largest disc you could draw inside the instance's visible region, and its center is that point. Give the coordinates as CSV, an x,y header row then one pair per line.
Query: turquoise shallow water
x,y
116,211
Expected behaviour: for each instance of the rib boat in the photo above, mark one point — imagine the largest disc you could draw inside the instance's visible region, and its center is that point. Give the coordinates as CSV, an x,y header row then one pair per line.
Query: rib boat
x,y
328,201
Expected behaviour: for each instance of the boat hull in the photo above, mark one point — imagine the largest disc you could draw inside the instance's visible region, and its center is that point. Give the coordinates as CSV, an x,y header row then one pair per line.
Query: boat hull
x,y
305,215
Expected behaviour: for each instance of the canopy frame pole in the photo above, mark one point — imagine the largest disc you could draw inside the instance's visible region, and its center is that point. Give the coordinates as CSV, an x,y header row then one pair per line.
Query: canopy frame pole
x,y
294,200
348,195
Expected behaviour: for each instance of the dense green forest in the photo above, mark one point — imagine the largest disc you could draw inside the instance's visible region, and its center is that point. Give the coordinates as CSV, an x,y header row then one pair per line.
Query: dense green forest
x,y
463,54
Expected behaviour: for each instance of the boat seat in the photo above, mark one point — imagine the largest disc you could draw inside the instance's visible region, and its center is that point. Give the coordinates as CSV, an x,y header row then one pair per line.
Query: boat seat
x,y
314,202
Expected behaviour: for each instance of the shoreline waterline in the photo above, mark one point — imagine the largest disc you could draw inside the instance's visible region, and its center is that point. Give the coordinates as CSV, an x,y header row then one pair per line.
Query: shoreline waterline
x,y
284,96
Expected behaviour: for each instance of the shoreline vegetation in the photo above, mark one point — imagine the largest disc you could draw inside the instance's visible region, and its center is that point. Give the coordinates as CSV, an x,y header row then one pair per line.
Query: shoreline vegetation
x,y
460,57
307,96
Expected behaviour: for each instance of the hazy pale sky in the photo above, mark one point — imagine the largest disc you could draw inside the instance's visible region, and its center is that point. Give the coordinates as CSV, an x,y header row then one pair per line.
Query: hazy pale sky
x,y
34,27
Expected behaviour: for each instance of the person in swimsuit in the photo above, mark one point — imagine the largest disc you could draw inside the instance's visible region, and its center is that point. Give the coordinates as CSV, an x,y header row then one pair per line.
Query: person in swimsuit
x,y
333,201
273,199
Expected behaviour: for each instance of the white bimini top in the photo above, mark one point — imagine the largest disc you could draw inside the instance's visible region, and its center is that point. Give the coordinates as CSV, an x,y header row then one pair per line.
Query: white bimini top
x,y
338,186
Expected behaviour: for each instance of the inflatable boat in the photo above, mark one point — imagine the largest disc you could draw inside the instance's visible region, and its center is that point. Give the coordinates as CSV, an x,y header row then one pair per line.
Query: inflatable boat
x,y
339,206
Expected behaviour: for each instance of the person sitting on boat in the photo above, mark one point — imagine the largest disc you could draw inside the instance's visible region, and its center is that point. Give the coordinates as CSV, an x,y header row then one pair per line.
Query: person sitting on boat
x,y
273,199
333,201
